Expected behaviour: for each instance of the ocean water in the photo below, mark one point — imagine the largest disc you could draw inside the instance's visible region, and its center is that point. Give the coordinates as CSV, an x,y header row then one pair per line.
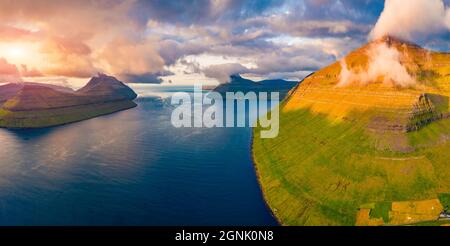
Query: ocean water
x,y
130,168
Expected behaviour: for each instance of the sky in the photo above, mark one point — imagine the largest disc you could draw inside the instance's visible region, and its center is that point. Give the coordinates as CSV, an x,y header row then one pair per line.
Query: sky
x,y
189,41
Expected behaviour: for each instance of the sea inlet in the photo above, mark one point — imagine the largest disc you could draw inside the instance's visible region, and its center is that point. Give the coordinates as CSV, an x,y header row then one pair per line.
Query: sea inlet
x,y
130,168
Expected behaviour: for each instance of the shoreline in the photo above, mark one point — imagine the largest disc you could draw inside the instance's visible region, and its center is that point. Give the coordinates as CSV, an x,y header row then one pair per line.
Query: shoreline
x,y
255,164
258,179
131,106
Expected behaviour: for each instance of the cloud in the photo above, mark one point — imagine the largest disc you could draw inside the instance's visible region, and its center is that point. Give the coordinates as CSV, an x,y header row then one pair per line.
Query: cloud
x,y
26,72
10,33
67,57
447,18
222,72
202,11
8,72
384,66
128,57
286,64
411,20
171,50
140,40
81,38
287,58
68,18
148,78
191,67
68,33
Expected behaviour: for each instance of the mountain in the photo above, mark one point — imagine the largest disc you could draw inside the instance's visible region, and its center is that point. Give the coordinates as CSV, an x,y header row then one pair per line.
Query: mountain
x,y
237,83
9,90
106,88
34,105
363,141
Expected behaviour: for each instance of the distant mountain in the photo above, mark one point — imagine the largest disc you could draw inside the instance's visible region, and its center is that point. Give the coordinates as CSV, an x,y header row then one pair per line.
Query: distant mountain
x,y
33,105
9,90
108,88
237,83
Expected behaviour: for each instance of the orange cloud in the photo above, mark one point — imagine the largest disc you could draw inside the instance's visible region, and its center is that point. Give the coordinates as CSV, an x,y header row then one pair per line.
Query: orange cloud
x,y
65,32
26,72
67,57
8,72
127,57
10,34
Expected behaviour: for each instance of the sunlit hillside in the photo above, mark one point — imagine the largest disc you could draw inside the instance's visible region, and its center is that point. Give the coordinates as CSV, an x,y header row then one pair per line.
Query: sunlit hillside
x,y
369,153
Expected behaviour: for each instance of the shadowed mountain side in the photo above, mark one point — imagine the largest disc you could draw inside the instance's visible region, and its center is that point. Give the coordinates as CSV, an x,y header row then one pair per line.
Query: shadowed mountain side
x,y
10,90
237,83
107,88
34,105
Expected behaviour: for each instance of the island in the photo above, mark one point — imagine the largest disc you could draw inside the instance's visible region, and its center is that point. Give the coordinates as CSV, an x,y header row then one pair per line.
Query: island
x,y
239,84
37,105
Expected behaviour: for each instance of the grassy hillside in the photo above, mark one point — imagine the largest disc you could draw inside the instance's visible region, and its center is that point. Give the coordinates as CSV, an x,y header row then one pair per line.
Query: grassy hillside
x,y
319,173
59,116
368,155
33,105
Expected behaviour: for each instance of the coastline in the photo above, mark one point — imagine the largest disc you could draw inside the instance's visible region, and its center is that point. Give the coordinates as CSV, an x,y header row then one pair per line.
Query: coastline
x,y
119,108
258,178
255,164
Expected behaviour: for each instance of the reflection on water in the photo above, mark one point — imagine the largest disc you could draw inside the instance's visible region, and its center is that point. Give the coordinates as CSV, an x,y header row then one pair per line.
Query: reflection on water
x,y
129,168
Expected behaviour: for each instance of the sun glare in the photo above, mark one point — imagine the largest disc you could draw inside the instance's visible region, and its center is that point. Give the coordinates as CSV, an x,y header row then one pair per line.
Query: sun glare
x,y
21,53
16,52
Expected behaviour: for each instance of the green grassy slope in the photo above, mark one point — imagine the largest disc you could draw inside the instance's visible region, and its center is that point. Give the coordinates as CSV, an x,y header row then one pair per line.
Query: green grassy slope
x,y
59,116
319,173
341,148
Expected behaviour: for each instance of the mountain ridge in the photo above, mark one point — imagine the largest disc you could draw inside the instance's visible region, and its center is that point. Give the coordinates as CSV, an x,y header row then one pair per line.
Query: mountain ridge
x,y
240,84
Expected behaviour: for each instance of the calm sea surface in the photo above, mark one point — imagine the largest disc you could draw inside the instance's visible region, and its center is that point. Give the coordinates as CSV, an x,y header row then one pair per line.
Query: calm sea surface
x,y
130,168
